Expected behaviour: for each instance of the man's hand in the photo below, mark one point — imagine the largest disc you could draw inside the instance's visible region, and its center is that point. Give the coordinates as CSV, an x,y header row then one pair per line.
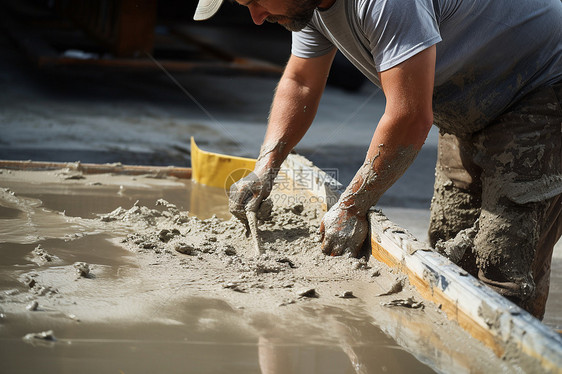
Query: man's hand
x,y
343,231
248,193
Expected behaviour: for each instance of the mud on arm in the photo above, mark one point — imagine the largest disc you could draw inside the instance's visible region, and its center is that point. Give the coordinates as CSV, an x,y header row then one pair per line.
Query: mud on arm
x,y
399,136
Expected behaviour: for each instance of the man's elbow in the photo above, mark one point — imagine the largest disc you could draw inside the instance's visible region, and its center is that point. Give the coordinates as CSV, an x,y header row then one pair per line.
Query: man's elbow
x,y
417,121
418,125
421,127
425,121
416,116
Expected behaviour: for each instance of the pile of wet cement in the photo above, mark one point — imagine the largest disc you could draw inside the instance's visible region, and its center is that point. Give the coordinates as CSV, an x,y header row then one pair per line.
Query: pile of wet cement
x,y
173,256
290,268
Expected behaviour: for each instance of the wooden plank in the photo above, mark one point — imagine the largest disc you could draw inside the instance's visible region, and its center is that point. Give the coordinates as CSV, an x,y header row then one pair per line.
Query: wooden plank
x,y
219,53
501,325
305,176
246,66
145,64
203,45
178,172
436,296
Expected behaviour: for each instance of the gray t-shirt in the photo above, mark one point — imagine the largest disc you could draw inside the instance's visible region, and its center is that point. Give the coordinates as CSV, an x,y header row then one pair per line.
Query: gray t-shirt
x,y
490,53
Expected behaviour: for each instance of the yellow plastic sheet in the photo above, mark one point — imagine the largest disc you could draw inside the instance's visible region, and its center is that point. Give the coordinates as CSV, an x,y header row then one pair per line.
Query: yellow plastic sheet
x,y
217,170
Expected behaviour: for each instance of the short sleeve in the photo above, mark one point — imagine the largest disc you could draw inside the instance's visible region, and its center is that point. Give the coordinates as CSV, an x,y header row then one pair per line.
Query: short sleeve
x,y
309,42
399,29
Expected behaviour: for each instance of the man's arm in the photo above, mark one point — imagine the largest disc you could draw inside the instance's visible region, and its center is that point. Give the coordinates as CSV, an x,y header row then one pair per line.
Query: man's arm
x,y
399,136
294,106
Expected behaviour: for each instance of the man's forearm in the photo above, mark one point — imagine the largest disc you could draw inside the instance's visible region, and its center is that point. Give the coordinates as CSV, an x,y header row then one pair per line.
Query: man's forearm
x,y
393,149
371,182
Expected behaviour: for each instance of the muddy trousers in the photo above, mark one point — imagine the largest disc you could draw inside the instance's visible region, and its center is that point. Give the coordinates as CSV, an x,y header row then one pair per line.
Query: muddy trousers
x,y
501,189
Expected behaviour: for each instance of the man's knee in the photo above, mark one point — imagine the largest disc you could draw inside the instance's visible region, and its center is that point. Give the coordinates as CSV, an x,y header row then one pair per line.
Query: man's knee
x,y
509,252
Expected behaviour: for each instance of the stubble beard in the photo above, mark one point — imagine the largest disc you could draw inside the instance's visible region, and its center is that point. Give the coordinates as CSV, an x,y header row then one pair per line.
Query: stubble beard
x,y
300,17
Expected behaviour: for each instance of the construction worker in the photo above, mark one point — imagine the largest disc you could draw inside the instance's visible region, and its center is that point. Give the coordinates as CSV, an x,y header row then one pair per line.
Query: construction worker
x,y
487,73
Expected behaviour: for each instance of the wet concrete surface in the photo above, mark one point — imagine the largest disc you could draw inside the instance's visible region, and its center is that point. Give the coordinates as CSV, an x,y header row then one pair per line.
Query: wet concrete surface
x,y
229,346
89,201
7,213
223,348
196,335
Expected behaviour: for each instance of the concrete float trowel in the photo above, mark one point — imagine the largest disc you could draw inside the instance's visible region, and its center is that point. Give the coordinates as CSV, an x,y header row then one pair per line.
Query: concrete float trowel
x,y
222,171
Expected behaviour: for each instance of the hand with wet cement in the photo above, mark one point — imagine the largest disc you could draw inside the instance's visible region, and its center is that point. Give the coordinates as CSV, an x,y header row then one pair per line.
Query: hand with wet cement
x,y
343,230
248,193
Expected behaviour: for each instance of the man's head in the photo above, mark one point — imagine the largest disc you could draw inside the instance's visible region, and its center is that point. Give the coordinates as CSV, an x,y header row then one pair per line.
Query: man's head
x,y
294,15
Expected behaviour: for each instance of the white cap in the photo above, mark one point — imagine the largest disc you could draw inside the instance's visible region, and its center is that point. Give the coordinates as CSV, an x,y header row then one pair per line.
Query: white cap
x,y
206,9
